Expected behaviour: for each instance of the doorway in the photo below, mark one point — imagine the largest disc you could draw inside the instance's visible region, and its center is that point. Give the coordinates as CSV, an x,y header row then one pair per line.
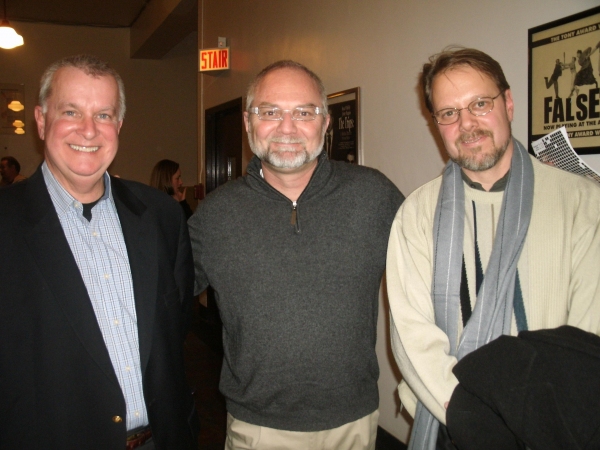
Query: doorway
x,y
223,143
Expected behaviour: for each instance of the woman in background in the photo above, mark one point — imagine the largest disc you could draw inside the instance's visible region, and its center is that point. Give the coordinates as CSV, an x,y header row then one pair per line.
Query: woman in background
x,y
166,176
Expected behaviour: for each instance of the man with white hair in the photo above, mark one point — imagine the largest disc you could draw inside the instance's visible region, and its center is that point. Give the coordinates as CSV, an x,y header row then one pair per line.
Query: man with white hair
x,y
295,251
93,305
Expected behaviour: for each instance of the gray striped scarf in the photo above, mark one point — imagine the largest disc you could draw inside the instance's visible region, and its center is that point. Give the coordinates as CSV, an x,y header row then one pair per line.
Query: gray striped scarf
x,y
492,314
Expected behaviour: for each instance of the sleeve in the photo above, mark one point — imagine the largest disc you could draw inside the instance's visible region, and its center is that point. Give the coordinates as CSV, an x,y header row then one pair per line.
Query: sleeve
x,y
195,227
420,348
396,197
584,288
184,274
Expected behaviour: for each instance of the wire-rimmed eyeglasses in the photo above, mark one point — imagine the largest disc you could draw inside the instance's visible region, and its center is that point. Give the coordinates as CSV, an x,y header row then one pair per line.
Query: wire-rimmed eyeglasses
x,y
302,113
479,107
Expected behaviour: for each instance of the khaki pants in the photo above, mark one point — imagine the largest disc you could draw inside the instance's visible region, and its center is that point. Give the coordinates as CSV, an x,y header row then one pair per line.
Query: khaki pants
x,y
358,435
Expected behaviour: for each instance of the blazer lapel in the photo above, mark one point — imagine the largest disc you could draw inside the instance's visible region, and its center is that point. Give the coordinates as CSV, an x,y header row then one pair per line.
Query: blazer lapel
x,y
52,255
140,238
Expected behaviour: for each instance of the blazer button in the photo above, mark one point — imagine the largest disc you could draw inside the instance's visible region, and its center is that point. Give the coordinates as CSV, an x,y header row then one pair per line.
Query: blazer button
x,y
117,419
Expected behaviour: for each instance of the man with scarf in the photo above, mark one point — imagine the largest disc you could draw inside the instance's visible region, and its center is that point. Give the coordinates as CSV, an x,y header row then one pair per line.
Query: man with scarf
x,y
498,244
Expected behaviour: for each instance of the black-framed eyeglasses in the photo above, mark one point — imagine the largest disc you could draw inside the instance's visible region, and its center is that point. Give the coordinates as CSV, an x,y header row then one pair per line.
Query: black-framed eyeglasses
x,y
479,107
301,113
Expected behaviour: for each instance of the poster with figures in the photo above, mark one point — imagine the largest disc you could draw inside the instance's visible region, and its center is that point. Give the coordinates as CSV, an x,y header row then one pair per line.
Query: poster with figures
x,y
342,135
564,77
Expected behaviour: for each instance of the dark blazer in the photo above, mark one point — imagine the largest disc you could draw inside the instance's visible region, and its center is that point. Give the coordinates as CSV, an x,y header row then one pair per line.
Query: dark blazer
x,y
58,389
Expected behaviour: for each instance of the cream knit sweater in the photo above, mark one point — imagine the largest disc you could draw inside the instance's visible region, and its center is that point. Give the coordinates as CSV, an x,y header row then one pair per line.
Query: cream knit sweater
x,y
559,270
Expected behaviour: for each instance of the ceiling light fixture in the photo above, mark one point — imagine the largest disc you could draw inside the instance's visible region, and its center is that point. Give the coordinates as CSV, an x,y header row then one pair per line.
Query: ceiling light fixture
x,y
19,131
18,124
8,36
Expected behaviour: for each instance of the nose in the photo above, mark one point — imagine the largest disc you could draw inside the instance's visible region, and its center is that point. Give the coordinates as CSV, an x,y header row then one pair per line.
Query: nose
x,y
466,120
286,124
87,127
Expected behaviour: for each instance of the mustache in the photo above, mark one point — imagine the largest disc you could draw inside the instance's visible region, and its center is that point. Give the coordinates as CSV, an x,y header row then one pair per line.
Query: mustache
x,y
287,140
474,135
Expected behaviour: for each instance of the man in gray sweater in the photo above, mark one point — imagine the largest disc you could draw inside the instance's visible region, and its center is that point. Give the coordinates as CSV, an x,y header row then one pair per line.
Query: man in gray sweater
x,y
295,251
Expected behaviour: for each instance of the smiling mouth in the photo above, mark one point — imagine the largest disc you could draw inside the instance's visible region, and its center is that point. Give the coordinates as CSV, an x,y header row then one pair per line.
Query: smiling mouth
x,y
284,145
81,148
472,140
286,148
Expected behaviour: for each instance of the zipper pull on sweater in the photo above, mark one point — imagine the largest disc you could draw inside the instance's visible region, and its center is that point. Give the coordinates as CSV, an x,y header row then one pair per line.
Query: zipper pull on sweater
x,y
294,218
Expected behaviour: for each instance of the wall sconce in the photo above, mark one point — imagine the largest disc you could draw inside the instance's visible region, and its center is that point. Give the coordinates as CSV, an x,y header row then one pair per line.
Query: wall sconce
x,y
18,124
16,106
12,109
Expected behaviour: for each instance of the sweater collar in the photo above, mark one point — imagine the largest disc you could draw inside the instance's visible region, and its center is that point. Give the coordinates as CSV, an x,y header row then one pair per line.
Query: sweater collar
x,y
498,186
319,178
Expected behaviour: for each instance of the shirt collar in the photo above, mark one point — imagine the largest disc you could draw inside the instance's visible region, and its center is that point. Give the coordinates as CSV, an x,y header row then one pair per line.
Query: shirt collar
x,y
61,198
498,186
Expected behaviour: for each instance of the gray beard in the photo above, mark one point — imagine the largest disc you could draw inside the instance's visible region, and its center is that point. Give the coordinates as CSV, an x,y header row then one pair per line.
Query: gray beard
x,y
470,162
274,158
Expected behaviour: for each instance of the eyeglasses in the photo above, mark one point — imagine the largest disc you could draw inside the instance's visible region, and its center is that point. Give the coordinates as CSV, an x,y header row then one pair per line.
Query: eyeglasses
x,y
302,113
479,107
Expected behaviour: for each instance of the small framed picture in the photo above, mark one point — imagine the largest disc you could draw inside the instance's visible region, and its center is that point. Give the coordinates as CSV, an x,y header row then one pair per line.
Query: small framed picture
x,y
564,78
342,138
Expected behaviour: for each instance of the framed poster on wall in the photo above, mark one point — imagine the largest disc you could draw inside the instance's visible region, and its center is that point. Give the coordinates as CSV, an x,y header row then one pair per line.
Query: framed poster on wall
x,y
342,138
564,77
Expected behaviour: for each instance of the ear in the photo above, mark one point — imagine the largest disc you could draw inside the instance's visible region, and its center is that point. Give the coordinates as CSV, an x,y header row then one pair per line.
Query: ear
x,y
40,120
246,119
119,125
326,122
508,102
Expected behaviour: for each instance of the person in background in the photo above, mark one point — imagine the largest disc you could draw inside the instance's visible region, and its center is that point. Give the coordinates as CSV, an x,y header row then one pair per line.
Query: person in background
x,y
94,308
295,252
499,243
10,171
166,176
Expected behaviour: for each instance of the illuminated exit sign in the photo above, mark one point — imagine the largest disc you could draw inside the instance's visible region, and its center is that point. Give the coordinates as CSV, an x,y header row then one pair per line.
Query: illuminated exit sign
x,y
214,59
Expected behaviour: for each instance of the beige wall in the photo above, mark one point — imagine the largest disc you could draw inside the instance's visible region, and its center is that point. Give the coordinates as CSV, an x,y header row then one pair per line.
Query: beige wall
x,y
379,45
161,120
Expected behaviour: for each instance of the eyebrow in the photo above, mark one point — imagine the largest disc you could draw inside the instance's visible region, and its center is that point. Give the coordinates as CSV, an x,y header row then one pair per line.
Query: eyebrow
x,y
62,105
474,99
75,106
274,105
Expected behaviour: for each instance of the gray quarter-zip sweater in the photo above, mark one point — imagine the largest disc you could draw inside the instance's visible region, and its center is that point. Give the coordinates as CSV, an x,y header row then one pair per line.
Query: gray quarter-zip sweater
x,y
297,289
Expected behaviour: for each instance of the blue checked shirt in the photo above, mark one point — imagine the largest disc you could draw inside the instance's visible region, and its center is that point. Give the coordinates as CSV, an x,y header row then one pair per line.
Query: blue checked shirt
x,y
99,250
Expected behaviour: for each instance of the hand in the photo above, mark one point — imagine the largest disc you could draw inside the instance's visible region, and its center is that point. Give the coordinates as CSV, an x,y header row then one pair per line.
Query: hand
x,y
179,195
